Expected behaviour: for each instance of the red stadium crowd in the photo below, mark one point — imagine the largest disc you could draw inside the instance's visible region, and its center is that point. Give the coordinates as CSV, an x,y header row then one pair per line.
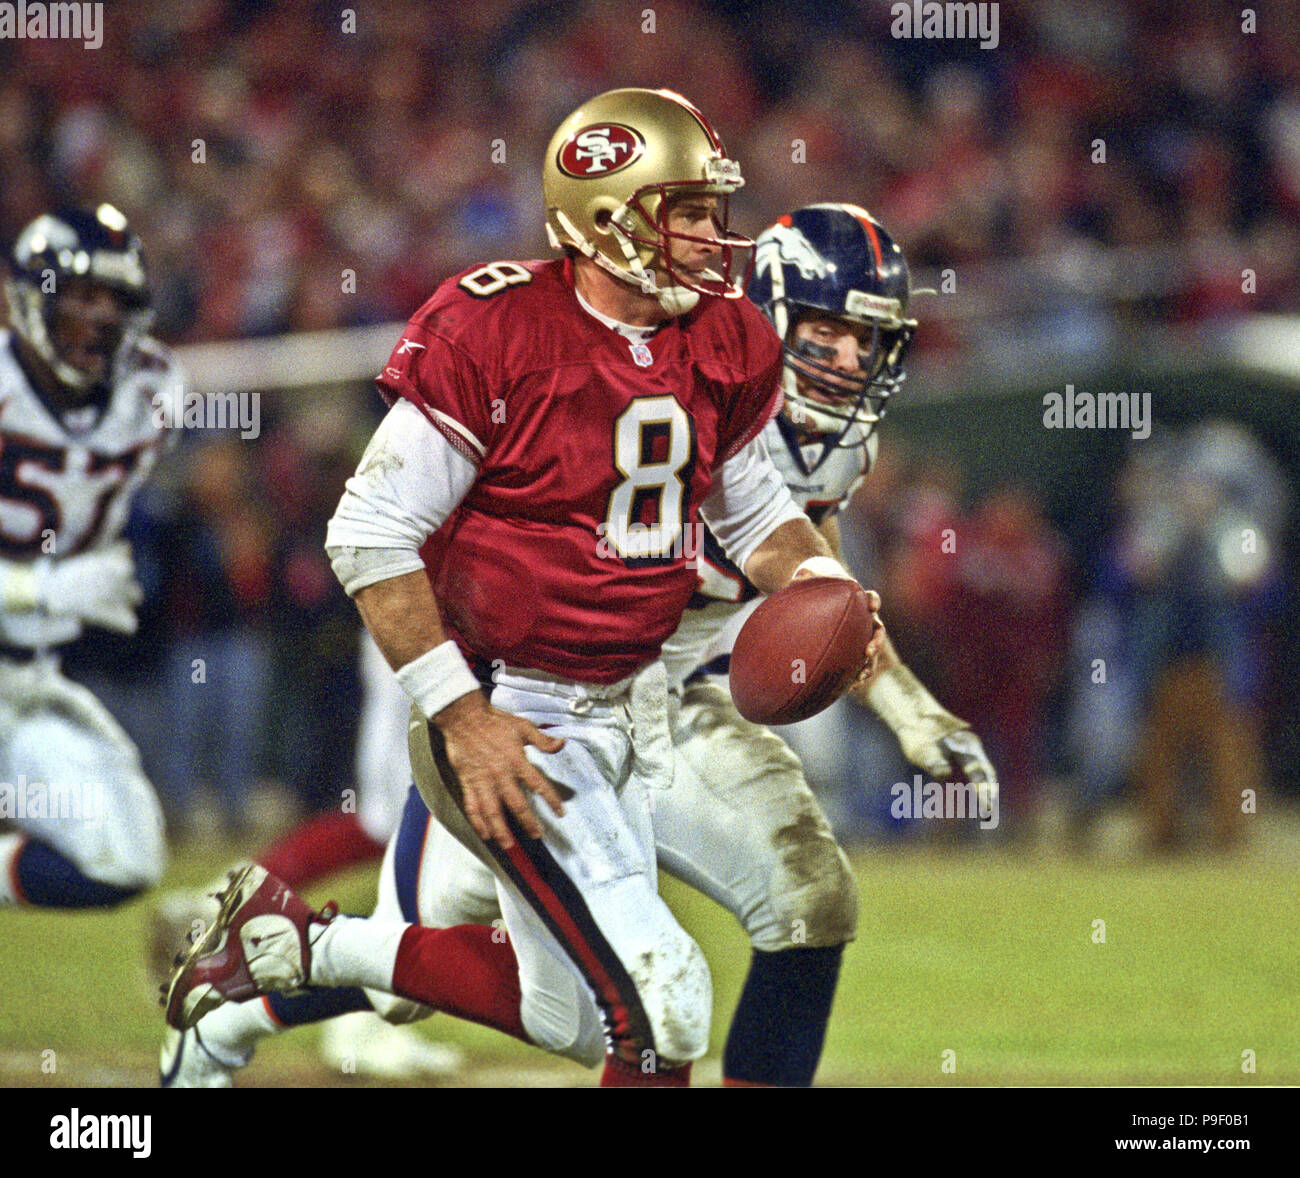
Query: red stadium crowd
x,y
262,153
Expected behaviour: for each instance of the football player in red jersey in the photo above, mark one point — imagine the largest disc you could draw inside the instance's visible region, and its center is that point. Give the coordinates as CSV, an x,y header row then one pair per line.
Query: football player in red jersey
x,y
517,538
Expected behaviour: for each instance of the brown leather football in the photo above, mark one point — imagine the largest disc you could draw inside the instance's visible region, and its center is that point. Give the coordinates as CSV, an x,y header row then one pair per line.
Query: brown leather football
x,y
800,650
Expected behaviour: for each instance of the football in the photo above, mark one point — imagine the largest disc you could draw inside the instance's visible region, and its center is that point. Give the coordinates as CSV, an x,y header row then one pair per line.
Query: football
x,y
800,650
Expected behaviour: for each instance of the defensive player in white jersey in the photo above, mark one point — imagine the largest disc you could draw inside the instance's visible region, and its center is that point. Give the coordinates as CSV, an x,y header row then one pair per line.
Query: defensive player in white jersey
x,y
741,824
738,823
79,432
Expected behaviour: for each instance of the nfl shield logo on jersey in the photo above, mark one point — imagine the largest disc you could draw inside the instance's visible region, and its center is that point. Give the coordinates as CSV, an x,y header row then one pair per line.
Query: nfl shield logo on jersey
x,y
642,355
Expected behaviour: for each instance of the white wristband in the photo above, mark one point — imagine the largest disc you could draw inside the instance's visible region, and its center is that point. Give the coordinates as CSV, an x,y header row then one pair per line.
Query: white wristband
x,y
824,566
438,677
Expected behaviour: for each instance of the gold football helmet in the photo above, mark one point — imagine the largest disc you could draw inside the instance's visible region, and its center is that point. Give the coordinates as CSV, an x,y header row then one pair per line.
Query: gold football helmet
x,y
610,170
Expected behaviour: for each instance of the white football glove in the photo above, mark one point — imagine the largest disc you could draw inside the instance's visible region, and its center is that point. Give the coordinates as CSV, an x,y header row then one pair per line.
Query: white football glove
x,y
931,737
99,587
968,762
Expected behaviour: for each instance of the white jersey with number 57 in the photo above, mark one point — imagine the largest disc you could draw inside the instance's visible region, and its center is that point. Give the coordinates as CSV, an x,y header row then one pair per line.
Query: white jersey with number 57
x,y
67,475
725,598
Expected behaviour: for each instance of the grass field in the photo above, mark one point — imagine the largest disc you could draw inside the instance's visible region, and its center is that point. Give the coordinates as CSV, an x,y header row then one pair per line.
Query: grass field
x,y
992,956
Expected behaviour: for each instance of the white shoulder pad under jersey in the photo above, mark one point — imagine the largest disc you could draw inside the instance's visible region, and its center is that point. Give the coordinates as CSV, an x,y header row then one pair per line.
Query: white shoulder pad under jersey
x,y
724,597
66,478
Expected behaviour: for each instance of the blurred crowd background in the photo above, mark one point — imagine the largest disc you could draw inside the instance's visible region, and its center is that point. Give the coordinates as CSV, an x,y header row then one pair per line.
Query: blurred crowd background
x,y
1110,170
370,150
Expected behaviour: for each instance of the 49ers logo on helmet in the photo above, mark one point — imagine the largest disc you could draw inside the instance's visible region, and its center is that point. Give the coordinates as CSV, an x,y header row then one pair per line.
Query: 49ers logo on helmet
x,y
600,150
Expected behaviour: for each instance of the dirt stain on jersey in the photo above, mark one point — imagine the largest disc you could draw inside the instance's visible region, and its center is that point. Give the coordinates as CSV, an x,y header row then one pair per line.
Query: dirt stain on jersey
x,y
381,464
800,843
818,889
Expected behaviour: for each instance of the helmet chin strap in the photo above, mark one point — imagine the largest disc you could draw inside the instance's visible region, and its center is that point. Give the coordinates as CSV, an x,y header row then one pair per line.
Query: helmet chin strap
x,y
677,300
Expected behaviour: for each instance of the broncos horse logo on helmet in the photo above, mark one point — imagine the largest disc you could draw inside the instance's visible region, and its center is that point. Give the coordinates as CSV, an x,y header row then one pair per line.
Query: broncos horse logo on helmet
x,y
836,260
784,245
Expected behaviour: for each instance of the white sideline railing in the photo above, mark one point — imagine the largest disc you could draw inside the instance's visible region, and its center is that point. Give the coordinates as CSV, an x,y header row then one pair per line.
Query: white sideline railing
x,y
1012,297
308,359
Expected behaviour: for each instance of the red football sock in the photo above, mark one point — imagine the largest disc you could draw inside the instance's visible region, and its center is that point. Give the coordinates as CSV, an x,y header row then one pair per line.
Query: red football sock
x,y
621,1074
463,972
319,847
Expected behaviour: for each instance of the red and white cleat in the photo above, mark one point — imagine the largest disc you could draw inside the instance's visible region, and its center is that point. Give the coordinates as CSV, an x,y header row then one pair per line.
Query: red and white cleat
x,y
260,942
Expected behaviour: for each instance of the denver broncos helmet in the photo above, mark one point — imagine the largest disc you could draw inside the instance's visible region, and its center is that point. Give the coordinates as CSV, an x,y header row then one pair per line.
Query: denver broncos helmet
x,y
75,245
610,170
835,259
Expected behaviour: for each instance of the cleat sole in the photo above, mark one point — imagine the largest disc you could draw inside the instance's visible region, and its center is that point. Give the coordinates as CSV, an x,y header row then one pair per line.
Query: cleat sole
x,y
183,1012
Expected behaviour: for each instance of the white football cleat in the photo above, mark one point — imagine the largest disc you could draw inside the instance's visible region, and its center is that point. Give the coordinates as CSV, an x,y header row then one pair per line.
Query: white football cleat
x,y
363,1044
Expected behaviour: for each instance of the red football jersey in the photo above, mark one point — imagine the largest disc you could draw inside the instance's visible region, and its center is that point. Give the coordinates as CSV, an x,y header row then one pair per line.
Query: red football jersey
x,y
593,456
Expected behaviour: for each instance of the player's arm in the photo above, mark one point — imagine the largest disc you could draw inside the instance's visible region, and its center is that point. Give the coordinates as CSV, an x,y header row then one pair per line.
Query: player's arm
x,y
97,587
409,480
763,532
931,737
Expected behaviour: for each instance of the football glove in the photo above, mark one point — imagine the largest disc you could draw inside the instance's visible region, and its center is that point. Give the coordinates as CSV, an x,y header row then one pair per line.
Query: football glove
x,y
931,737
98,587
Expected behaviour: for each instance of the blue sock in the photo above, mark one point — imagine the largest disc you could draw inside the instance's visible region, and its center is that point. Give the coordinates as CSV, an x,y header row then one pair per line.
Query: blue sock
x,y
315,1006
48,879
780,1022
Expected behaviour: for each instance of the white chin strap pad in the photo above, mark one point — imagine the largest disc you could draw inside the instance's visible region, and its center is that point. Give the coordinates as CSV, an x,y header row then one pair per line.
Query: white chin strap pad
x,y
677,300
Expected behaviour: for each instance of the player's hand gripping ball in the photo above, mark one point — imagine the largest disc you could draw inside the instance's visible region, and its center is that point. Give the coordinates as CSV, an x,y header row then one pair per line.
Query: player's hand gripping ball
x,y
801,649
